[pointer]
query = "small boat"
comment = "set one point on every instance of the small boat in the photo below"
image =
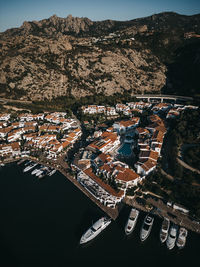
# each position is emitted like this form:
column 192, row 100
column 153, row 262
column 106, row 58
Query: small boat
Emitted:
column 35, row 171
column 95, row 229
column 44, row 172
column 164, row 230
column 146, row 227
column 132, row 220
column 181, row 240
column 39, row 173
column 52, row 172
column 30, row 167
column 20, row 162
column 171, row 239
column 28, row 162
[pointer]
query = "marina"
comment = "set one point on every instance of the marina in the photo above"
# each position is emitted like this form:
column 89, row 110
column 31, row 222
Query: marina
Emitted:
column 38, row 170
column 60, row 238
column 169, row 234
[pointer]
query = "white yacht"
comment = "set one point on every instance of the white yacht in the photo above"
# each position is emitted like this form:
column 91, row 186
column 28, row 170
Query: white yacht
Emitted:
column 181, row 240
column 146, row 227
column 164, row 230
column 95, row 229
column 39, row 173
column 35, row 171
column 171, row 239
column 132, row 219
column 44, row 172
column 30, row 167
column 52, row 172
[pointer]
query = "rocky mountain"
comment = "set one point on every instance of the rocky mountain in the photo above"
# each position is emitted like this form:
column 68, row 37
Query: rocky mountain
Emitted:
column 76, row 56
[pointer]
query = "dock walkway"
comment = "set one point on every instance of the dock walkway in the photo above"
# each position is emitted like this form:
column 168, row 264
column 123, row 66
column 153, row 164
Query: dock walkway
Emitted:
column 162, row 210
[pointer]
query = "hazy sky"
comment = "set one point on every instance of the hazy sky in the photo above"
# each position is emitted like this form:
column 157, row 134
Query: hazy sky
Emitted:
column 14, row 12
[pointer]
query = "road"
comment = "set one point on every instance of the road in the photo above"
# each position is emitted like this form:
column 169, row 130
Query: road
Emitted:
column 175, row 97
column 7, row 100
column 185, row 165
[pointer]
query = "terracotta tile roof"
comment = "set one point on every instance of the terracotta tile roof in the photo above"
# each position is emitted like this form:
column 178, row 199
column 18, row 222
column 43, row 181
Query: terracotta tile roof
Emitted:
column 65, row 144
column 30, row 135
column 153, row 155
column 157, row 137
column 105, row 157
column 77, row 130
column 72, row 135
column 155, row 118
column 127, row 175
column 127, row 123
column 6, row 130
column 142, row 130
column 149, row 164
column 29, row 123
column 15, row 146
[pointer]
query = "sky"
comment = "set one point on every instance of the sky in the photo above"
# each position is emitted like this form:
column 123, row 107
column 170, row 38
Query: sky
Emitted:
column 14, row 12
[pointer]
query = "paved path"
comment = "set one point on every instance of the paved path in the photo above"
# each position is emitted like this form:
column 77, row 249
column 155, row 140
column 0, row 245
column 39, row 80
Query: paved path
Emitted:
column 8, row 100
column 185, row 165
column 171, row 178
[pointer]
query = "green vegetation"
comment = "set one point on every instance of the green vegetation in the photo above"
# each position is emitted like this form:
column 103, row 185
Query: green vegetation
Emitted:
column 185, row 188
column 183, row 130
column 192, row 156
column 184, row 191
column 70, row 104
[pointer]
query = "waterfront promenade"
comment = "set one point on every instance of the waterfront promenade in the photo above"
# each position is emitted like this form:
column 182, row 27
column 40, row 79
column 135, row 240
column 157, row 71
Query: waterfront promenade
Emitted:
column 162, row 210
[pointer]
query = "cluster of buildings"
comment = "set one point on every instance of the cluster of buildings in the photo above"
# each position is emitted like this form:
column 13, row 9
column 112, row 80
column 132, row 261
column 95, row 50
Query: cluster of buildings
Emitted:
column 99, row 168
column 150, row 142
column 49, row 133
column 127, row 109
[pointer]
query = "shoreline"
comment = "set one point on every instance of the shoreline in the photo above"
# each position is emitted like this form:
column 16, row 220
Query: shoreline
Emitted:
column 112, row 213
column 161, row 209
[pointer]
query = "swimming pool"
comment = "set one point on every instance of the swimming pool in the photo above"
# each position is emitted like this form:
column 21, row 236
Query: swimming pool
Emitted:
column 125, row 150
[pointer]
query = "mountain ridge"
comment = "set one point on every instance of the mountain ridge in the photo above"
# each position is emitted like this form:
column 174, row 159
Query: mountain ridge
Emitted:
column 76, row 56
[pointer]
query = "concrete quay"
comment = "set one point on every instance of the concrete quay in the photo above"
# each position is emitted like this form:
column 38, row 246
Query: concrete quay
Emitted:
column 162, row 210
column 111, row 212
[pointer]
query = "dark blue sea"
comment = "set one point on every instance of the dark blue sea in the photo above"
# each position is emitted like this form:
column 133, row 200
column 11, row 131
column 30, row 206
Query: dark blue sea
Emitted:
column 41, row 222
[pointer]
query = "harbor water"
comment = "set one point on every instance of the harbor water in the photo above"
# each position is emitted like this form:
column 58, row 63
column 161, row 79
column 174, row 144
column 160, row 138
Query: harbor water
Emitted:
column 42, row 221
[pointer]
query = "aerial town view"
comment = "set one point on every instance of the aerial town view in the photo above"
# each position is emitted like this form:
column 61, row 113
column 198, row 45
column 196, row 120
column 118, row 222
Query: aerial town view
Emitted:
column 100, row 137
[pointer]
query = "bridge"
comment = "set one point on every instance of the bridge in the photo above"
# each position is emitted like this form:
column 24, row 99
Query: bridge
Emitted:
column 164, row 97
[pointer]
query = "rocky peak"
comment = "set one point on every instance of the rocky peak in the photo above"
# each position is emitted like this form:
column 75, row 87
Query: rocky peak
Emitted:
column 56, row 56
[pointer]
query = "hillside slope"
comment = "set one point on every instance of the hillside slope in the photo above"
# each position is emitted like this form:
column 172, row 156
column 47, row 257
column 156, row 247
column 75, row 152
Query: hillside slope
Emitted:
column 76, row 56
